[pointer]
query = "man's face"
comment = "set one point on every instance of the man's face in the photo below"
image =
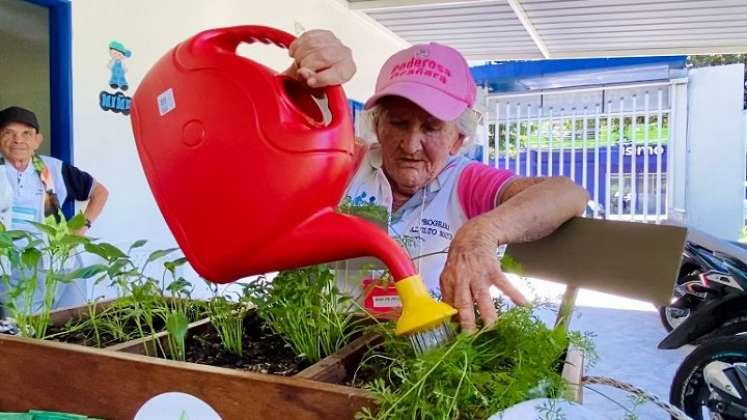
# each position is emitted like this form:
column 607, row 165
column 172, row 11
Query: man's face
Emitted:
column 415, row 144
column 19, row 141
column 116, row 54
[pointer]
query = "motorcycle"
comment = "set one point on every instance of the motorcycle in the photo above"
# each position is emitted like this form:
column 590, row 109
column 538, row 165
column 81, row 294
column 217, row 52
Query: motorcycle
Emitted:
column 710, row 310
column 705, row 257
column 711, row 383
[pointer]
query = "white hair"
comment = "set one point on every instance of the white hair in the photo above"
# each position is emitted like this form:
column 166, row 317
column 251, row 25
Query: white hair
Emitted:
column 466, row 125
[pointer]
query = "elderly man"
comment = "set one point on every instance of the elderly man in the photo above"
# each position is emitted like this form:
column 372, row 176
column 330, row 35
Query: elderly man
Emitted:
column 422, row 115
column 36, row 186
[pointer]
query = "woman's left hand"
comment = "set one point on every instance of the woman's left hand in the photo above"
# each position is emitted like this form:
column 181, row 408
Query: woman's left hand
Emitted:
column 471, row 268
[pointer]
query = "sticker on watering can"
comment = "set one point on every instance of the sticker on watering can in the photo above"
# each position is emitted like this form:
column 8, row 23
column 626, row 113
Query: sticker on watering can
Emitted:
column 380, row 298
column 117, row 101
column 166, row 102
column 176, row 406
column 386, row 302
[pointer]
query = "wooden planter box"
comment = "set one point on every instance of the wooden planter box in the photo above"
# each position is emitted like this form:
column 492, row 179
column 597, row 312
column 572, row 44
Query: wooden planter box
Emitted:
column 114, row 383
column 332, row 369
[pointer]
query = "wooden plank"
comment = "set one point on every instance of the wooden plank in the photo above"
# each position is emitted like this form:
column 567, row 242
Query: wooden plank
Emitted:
column 114, row 385
column 138, row 346
column 60, row 316
column 573, row 371
column 336, row 367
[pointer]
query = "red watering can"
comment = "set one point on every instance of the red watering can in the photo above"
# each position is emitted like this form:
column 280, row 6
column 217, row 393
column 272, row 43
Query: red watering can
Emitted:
column 243, row 165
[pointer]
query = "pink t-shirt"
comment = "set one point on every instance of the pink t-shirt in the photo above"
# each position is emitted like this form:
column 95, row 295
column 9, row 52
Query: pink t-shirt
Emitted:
column 480, row 187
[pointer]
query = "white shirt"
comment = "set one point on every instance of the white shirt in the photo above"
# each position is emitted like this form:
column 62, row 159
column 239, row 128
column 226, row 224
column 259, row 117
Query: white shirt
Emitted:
column 26, row 199
column 427, row 222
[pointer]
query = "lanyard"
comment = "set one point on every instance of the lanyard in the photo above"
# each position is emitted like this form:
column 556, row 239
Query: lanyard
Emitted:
column 51, row 202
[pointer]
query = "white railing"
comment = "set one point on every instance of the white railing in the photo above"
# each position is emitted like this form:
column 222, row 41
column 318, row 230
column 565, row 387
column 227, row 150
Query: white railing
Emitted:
column 612, row 140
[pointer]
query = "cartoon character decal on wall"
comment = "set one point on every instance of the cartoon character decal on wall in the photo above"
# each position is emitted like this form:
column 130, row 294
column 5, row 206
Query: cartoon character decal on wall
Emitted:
column 116, row 101
column 117, row 65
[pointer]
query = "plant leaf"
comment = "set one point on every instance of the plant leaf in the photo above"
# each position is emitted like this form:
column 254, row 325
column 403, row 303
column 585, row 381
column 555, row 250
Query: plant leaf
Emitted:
column 85, row 272
column 77, row 222
column 160, row 254
column 73, row 240
column 6, row 241
column 176, row 324
column 30, row 257
column 137, row 244
column 105, row 250
column 49, row 230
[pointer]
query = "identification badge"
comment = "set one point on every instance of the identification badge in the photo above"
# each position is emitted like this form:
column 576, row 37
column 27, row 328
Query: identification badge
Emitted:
column 21, row 216
column 381, row 298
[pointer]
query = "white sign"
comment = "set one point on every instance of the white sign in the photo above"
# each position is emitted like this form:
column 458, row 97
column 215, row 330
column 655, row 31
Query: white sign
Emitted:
column 176, row 406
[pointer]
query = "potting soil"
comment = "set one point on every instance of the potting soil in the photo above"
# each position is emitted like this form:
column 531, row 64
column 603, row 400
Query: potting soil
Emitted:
column 264, row 351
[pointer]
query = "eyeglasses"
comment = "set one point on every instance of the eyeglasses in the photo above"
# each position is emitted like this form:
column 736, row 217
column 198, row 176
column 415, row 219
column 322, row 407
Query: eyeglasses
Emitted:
column 26, row 135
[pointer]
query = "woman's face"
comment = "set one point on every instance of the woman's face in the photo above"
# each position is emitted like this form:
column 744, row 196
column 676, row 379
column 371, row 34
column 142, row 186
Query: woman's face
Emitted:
column 415, row 144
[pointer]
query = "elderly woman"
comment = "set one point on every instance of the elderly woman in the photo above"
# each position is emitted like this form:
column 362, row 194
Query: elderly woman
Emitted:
column 422, row 116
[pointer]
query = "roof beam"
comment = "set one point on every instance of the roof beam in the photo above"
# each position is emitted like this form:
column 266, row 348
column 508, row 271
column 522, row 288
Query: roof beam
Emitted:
column 521, row 14
column 372, row 5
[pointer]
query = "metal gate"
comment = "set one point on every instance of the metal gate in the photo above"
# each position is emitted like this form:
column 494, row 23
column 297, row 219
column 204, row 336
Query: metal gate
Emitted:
column 612, row 140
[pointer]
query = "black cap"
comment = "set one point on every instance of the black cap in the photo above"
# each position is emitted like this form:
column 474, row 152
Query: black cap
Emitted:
column 18, row 115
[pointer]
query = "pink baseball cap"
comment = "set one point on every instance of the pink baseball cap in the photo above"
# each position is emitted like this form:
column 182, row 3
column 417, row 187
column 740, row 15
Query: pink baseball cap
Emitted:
column 433, row 76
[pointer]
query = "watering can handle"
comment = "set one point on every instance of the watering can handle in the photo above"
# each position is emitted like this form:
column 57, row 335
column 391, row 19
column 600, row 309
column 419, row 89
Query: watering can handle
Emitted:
column 228, row 39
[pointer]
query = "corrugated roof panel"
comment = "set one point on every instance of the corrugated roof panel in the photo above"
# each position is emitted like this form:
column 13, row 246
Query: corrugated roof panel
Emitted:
column 479, row 9
column 643, row 38
column 574, row 8
column 568, row 28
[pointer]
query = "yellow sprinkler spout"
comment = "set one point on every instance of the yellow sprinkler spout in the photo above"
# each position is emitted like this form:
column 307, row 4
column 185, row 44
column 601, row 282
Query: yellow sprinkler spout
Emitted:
column 421, row 313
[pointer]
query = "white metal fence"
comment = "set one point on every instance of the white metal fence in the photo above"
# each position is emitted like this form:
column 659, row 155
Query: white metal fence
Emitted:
column 612, row 140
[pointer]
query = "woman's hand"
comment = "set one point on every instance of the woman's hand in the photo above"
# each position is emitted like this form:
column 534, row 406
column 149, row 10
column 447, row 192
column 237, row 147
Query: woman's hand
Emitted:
column 320, row 59
column 471, row 268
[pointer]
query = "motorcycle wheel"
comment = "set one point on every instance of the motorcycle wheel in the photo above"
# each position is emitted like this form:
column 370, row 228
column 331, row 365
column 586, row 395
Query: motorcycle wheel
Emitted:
column 668, row 315
column 689, row 391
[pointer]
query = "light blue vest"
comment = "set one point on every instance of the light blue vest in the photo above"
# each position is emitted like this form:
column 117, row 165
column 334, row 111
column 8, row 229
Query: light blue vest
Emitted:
column 428, row 220
column 22, row 193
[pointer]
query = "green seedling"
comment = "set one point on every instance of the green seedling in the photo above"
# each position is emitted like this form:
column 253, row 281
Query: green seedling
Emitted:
column 305, row 307
column 142, row 301
column 228, row 319
column 30, row 262
column 474, row 376
column 176, row 308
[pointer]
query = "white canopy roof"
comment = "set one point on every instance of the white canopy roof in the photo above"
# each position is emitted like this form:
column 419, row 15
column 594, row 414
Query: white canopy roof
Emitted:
column 526, row 29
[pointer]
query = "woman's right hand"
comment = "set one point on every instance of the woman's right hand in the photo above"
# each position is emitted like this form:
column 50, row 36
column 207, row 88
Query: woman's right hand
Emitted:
column 320, row 59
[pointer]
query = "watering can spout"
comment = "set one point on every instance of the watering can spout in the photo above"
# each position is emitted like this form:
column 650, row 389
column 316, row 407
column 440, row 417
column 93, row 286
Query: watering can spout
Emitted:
column 331, row 236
